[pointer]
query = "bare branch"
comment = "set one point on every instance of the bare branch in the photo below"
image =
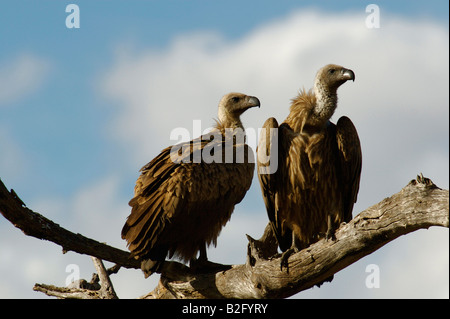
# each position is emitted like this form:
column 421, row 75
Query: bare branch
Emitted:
column 82, row 289
column 420, row 204
column 107, row 289
column 36, row 225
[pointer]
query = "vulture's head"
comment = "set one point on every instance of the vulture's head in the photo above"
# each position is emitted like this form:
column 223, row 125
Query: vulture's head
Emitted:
column 328, row 80
column 232, row 105
column 332, row 76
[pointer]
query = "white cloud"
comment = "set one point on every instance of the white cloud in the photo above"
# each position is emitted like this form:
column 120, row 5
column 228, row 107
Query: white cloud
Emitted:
column 429, row 271
column 96, row 210
column 21, row 76
column 157, row 91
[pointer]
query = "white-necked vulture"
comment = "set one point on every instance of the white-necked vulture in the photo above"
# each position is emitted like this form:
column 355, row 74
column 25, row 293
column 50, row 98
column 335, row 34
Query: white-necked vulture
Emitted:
column 186, row 194
column 315, row 182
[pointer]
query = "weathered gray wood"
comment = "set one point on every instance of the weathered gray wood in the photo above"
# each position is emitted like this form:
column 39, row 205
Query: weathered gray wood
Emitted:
column 82, row 289
column 420, row 204
column 36, row 225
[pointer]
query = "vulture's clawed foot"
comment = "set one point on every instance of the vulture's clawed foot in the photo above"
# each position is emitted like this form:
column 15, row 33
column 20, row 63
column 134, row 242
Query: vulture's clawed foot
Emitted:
column 205, row 266
column 285, row 258
column 330, row 229
column 330, row 234
column 149, row 267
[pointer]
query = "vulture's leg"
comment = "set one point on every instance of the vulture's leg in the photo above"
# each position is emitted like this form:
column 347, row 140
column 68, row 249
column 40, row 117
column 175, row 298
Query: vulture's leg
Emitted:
column 149, row 266
column 285, row 255
column 330, row 229
column 202, row 264
column 203, row 257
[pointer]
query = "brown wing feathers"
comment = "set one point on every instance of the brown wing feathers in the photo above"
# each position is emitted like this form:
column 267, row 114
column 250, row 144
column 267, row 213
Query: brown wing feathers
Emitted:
column 350, row 162
column 181, row 203
column 317, row 180
column 157, row 199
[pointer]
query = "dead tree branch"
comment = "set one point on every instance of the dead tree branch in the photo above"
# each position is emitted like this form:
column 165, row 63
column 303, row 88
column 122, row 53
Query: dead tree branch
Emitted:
column 420, row 204
column 82, row 289
column 36, row 225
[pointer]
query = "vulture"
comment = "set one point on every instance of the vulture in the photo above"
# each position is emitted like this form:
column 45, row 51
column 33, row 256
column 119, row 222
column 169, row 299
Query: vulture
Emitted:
column 186, row 194
column 308, row 167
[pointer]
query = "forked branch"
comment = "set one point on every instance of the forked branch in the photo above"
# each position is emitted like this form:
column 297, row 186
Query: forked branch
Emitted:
column 420, row 204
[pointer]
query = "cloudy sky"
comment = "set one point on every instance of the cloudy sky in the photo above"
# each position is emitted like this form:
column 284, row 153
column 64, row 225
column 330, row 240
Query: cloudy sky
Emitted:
column 82, row 109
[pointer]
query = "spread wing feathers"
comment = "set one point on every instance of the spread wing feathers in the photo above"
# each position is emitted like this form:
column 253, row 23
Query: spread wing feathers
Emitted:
column 176, row 195
column 350, row 161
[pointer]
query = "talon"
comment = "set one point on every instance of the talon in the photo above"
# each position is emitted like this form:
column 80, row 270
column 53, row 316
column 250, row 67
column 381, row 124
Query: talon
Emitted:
column 329, row 235
column 330, row 230
column 149, row 267
column 285, row 258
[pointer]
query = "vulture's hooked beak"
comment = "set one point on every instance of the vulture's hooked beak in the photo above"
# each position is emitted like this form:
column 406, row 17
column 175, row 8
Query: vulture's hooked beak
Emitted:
column 253, row 101
column 348, row 74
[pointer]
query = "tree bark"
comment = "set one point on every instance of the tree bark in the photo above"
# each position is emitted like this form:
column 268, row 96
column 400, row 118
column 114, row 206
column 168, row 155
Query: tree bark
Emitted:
column 420, row 204
column 82, row 289
column 36, row 225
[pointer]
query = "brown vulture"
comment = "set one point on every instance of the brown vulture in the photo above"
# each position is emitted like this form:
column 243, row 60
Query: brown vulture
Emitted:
column 315, row 166
column 187, row 193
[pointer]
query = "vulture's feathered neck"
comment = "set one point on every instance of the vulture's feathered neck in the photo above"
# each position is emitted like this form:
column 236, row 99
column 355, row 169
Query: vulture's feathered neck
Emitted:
column 226, row 120
column 326, row 100
column 234, row 127
column 231, row 129
column 312, row 109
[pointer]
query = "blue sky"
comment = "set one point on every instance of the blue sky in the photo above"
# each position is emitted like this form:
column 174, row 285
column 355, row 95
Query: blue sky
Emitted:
column 76, row 125
column 63, row 116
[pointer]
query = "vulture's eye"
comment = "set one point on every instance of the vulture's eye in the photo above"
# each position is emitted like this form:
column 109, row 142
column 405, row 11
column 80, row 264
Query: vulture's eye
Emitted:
column 331, row 71
column 235, row 99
